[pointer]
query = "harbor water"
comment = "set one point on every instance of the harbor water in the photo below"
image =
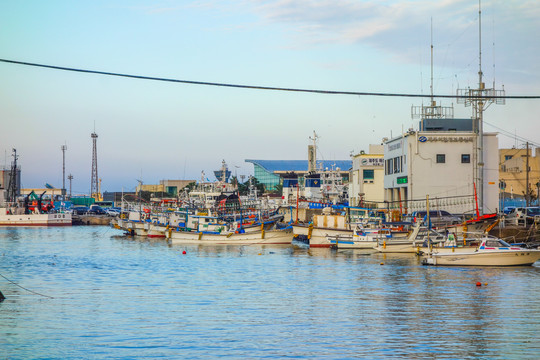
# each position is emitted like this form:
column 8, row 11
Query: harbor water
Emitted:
column 93, row 293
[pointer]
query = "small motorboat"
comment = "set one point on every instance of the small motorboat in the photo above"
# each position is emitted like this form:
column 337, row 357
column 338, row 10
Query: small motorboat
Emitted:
column 492, row 251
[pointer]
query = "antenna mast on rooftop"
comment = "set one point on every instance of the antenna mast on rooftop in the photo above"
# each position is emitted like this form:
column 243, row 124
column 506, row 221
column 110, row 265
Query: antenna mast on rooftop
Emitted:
column 480, row 99
column 431, row 111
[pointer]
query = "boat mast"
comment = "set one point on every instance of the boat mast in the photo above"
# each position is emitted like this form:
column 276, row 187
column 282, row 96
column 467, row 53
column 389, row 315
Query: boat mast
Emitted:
column 12, row 186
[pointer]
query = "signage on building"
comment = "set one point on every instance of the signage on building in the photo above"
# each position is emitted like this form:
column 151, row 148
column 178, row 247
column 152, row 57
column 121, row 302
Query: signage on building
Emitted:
column 445, row 139
column 395, row 146
column 402, row 180
column 372, row 162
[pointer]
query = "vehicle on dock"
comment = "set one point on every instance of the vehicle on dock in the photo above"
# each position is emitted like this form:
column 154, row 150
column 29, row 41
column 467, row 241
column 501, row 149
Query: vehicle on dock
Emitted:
column 524, row 215
column 80, row 210
column 96, row 210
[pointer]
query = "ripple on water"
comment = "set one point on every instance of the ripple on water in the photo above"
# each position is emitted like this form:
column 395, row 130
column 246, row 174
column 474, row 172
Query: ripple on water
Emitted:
column 121, row 297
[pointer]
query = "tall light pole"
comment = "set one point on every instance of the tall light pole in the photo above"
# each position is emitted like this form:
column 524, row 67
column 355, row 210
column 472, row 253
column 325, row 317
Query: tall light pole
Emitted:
column 94, row 189
column 70, row 177
column 64, row 148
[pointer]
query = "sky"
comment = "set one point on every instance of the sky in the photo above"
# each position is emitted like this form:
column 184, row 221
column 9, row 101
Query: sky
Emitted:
column 152, row 130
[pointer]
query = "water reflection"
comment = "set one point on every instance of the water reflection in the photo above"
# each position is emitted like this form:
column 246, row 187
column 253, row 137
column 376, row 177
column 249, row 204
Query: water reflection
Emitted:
column 129, row 297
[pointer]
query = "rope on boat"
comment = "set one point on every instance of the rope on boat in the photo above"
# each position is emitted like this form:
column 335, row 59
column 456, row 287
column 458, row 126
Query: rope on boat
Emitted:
column 30, row 291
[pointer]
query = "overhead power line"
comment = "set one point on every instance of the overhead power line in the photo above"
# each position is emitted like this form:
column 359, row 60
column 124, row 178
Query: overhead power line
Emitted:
column 256, row 87
column 513, row 136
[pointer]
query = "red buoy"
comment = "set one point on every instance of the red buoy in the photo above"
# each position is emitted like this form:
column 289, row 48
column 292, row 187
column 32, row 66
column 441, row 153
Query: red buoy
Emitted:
column 184, row 252
column 479, row 284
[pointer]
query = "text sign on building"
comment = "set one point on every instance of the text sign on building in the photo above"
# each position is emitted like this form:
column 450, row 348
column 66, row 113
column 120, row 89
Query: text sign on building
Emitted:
column 372, row 162
column 402, row 180
column 445, row 139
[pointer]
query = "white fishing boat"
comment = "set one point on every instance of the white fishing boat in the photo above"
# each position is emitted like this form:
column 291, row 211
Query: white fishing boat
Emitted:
column 407, row 244
column 9, row 218
column 491, row 252
column 360, row 239
column 274, row 236
column 318, row 236
column 321, row 227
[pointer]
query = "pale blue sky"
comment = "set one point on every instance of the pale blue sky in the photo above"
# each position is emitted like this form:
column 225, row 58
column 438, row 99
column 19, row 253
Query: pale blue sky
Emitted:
column 163, row 130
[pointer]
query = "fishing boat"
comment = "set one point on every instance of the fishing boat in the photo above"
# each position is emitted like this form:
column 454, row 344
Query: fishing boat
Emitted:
column 317, row 236
column 8, row 218
column 31, row 210
column 360, row 239
column 410, row 243
column 231, row 237
column 492, row 251
column 327, row 225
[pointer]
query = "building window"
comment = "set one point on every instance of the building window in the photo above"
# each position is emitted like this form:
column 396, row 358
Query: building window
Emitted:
column 507, row 157
column 388, row 169
column 441, row 158
column 368, row 174
column 465, row 158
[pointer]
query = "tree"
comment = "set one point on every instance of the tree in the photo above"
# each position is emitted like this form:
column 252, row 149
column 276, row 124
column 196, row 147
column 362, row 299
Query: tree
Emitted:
column 278, row 189
column 189, row 187
column 243, row 189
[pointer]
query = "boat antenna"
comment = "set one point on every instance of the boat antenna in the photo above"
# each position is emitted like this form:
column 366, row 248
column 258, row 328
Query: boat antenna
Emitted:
column 13, row 189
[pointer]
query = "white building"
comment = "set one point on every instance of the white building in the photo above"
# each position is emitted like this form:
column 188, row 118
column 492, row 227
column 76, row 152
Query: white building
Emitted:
column 441, row 164
column 366, row 180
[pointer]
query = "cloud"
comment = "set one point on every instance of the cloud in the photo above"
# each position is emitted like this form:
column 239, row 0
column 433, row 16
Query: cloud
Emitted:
column 402, row 30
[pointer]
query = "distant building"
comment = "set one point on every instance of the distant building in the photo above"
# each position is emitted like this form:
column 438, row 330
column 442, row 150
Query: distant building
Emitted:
column 268, row 172
column 223, row 174
column 153, row 188
column 366, row 181
column 116, row 197
column 172, row 187
column 513, row 174
column 5, row 175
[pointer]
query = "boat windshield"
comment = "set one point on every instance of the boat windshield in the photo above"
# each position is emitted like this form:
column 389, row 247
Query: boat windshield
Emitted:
column 503, row 243
column 492, row 243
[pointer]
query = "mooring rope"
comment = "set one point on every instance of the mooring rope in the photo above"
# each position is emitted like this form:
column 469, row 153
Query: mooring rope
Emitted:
column 22, row 287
